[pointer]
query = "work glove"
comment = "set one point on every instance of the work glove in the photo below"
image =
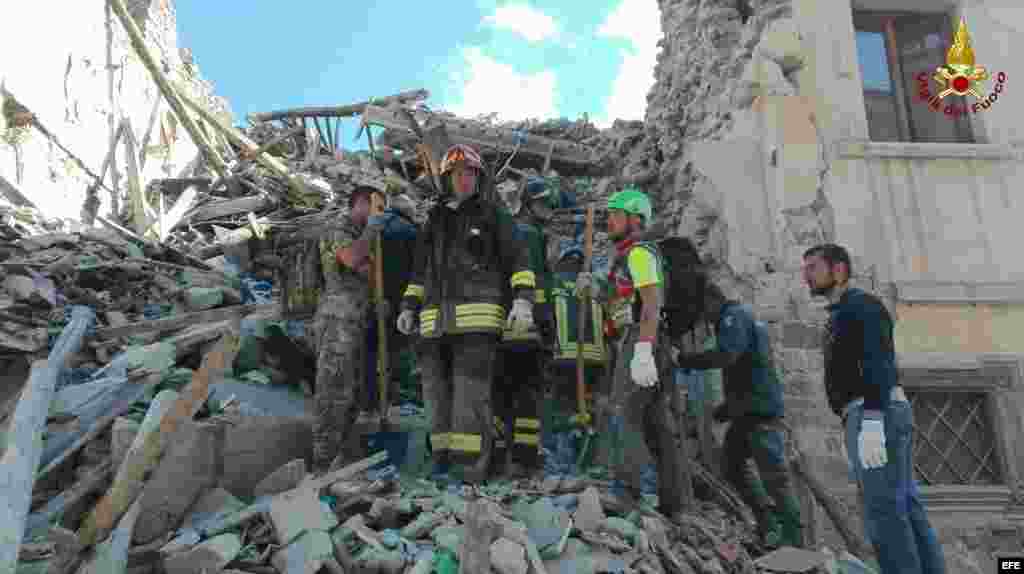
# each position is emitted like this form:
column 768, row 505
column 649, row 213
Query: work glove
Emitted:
column 585, row 285
column 642, row 367
column 721, row 413
column 407, row 322
column 520, row 318
column 871, row 443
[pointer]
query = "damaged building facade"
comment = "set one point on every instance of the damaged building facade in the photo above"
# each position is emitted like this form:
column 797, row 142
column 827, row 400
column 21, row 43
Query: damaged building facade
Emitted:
column 83, row 87
column 776, row 125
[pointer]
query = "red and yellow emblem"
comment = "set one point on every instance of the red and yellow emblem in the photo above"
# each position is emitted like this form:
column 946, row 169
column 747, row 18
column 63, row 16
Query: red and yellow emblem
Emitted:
column 960, row 75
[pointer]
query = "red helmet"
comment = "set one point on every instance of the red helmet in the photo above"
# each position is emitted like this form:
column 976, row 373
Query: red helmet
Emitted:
column 460, row 153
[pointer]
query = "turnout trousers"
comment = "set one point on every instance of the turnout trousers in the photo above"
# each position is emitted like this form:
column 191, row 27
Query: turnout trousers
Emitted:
column 338, row 336
column 518, row 386
column 644, row 427
column 457, row 374
column 762, row 440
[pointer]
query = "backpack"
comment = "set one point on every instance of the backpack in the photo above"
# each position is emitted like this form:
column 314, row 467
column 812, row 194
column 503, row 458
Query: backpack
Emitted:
column 684, row 283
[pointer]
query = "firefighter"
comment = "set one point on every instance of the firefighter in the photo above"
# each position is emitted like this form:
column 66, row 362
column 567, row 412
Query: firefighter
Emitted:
column 523, row 356
column 466, row 263
column 641, row 386
column 339, row 328
column 563, row 407
column 754, row 408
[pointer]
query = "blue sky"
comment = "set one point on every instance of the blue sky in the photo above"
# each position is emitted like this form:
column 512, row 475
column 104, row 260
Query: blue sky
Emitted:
column 522, row 59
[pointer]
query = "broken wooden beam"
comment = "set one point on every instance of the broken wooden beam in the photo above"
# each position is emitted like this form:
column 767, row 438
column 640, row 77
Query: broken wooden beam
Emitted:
column 14, row 194
column 138, row 42
column 855, row 543
column 340, row 111
column 239, row 139
column 228, row 207
column 25, row 444
column 70, row 505
column 130, row 476
column 186, row 320
column 565, row 155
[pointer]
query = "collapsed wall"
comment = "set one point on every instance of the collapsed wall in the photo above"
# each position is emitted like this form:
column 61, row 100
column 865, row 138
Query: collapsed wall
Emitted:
column 80, row 83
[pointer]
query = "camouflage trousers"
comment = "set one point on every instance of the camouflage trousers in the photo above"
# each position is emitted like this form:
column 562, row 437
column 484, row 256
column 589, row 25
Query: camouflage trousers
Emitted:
column 338, row 332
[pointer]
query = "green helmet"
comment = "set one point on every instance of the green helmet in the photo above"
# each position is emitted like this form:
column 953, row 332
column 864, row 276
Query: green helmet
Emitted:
column 632, row 201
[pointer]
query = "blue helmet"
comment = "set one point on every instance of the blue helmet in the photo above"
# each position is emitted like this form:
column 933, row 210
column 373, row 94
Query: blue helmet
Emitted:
column 572, row 250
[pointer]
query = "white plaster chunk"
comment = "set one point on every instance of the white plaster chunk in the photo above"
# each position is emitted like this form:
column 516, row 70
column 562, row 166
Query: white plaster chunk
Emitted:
column 508, row 557
column 780, row 43
column 761, row 77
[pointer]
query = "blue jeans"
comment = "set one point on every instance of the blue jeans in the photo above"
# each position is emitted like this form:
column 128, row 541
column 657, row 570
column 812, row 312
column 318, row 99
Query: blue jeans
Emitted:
column 895, row 519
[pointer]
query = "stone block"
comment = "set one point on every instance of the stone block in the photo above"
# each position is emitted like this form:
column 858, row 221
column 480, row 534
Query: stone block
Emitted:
column 589, row 513
column 285, row 478
column 188, row 467
column 308, row 553
column 256, row 446
column 761, row 77
column 508, row 557
column 780, row 43
column 210, row 556
column 801, row 335
column 298, row 511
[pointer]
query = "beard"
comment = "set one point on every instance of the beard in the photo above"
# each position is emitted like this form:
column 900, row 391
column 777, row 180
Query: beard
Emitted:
column 825, row 290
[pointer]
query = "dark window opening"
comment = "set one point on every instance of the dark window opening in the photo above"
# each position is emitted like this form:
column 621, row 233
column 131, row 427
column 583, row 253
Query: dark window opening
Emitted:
column 954, row 440
column 892, row 51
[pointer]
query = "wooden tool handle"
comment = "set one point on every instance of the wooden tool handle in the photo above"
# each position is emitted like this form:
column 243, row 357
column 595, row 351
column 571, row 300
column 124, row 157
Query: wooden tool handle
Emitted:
column 581, row 315
column 383, row 374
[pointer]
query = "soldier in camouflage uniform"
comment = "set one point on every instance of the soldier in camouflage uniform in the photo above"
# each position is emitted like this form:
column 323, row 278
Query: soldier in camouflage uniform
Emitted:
column 339, row 328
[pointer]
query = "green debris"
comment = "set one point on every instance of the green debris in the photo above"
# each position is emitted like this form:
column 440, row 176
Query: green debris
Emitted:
column 622, row 528
column 200, row 298
column 257, row 377
column 445, row 562
column 449, row 537
column 156, row 358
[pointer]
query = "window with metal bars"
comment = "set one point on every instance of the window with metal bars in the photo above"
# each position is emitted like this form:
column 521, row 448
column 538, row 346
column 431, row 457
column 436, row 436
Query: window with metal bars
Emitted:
column 954, row 439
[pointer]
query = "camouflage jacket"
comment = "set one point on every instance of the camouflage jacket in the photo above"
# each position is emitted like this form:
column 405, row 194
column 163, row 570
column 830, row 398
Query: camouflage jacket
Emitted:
column 339, row 279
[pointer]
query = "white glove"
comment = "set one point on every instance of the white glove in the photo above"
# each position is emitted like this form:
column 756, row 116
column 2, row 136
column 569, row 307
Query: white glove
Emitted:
column 406, row 322
column 642, row 367
column 585, row 284
column 520, row 318
column 871, row 443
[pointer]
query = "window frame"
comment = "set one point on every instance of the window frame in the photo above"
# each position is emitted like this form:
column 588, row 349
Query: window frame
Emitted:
column 880, row 22
column 1000, row 378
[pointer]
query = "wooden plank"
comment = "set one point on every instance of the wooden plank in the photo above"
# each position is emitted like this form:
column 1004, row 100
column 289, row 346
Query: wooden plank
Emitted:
column 14, row 194
column 339, row 111
column 562, row 152
column 25, row 439
column 138, row 42
column 228, row 207
column 187, row 319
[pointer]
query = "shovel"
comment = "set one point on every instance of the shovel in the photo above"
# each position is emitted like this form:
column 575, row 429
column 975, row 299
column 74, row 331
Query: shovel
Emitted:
column 396, row 443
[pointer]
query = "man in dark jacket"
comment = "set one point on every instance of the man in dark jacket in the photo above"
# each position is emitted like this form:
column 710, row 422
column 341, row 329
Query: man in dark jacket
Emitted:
column 467, row 260
column 753, row 405
column 861, row 380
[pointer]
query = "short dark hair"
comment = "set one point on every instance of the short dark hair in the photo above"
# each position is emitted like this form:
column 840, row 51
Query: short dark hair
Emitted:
column 832, row 254
column 360, row 191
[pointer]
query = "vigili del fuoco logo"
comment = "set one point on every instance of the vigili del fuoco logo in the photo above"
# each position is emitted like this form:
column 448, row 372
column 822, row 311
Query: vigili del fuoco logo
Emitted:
column 960, row 77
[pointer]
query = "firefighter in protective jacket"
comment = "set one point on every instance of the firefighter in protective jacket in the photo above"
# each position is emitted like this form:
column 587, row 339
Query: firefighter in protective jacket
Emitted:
column 523, row 355
column 467, row 261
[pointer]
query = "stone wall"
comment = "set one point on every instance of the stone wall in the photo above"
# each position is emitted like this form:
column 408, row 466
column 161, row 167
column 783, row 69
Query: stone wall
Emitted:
column 744, row 166
column 81, row 79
